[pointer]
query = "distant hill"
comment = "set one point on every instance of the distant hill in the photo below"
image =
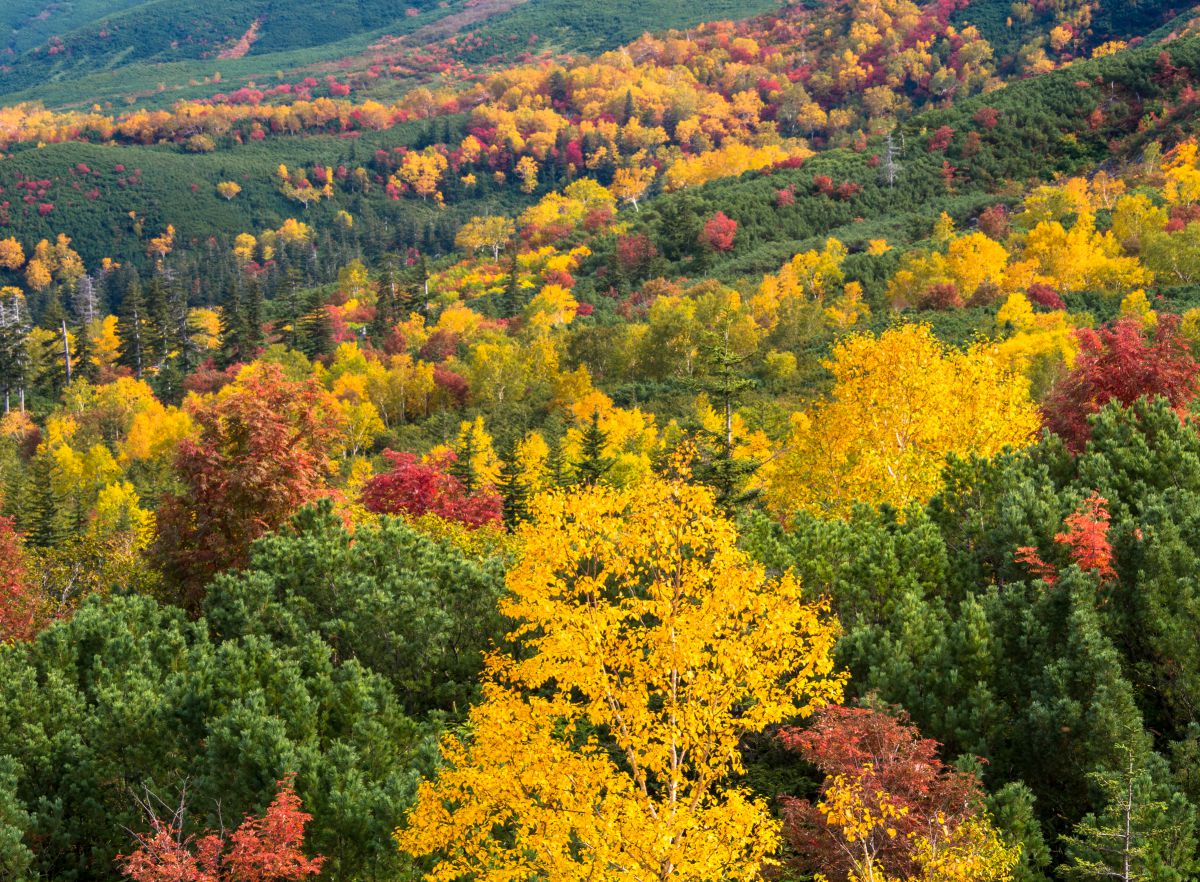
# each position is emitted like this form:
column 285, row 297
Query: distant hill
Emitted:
column 146, row 50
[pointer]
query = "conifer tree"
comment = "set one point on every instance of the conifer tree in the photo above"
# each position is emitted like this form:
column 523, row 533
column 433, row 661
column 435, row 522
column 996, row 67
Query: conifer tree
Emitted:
column 513, row 490
column 133, row 327
column 593, row 465
column 1145, row 830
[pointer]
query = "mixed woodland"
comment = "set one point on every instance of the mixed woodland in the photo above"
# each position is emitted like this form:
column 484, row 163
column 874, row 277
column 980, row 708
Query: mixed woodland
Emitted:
column 509, row 441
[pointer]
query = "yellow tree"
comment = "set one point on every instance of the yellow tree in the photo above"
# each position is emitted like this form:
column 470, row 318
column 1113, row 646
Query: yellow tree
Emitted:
column 652, row 646
column 423, row 171
column 492, row 232
column 901, row 402
column 229, row 189
column 630, row 184
column 527, row 171
column 12, row 255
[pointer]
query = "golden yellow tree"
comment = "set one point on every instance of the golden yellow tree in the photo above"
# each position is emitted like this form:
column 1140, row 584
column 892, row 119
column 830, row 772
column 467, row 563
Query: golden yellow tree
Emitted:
column 652, row 646
column 630, row 184
column 492, row 232
column 901, row 402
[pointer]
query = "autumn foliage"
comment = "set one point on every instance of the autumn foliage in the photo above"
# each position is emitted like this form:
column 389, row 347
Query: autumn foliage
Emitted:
column 262, row 849
column 640, row 617
column 1086, row 537
column 719, row 232
column 887, row 797
column 1122, row 363
column 19, row 604
column 263, row 450
column 416, row 488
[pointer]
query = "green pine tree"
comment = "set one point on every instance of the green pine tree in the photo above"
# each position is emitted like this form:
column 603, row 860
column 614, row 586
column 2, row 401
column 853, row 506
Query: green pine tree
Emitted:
column 513, row 490
column 593, row 465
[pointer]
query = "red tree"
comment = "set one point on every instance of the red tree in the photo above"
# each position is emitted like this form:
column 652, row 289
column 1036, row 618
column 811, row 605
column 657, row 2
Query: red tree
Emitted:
column 941, row 138
column 416, row 488
column 262, row 849
column 19, row 602
column 718, row 232
column 1045, row 296
column 1086, row 537
column 894, row 763
column 262, row 452
column 1121, row 363
column 635, row 253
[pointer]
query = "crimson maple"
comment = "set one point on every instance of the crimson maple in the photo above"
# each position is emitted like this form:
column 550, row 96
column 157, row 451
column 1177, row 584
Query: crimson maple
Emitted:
column 262, row 452
column 896, row 765
column 262, row 849
column 1122, row 363
column 416, row 488
column 719, row 232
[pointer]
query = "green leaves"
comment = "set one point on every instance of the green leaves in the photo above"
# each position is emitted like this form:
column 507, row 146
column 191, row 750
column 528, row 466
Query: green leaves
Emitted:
column 406, row 607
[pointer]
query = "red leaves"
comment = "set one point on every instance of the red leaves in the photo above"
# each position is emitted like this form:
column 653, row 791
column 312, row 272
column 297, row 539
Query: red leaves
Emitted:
column 941, row 296
column 265, row 849
column 941, row 139
column 1086, row 537
column 416, row 488
column 635, row 253
column 1044, row 296
column 19, row 602
column 719, row 232
column 1033, row 561
column 262, row 453
column 1086, row 540
column 1122, row 363
column 986, row 117
column 896, row 765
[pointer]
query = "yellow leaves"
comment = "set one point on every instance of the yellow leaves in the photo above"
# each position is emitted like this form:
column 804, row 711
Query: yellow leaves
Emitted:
column 244, row 246
column 423, row 171
column 1136, row 305
column 527, row 171
column 630, row 184
column 849, row 309
column 37, row 275
column 155, row 432
column 473, row 435
column 228, row 189
column 12, row 255
column 490, row 232
column 459, row 319
column 118, row 511
column 552, row 307
column 729, row 160
column 1082, row 259
column 556, row 211
column 106, row 345
column 293, row 232
column 640, row 616
column 974, row 260
column 160, row 246
column 901, row 403
column 972, row 851
column 844, row 806
column 969, row 851
column 205, row 328
column 1034, row 341
column 1182, row 178
column 810, row 275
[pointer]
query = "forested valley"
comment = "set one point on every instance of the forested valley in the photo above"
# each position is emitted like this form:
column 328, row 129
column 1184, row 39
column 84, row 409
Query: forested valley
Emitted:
column 523, row 440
